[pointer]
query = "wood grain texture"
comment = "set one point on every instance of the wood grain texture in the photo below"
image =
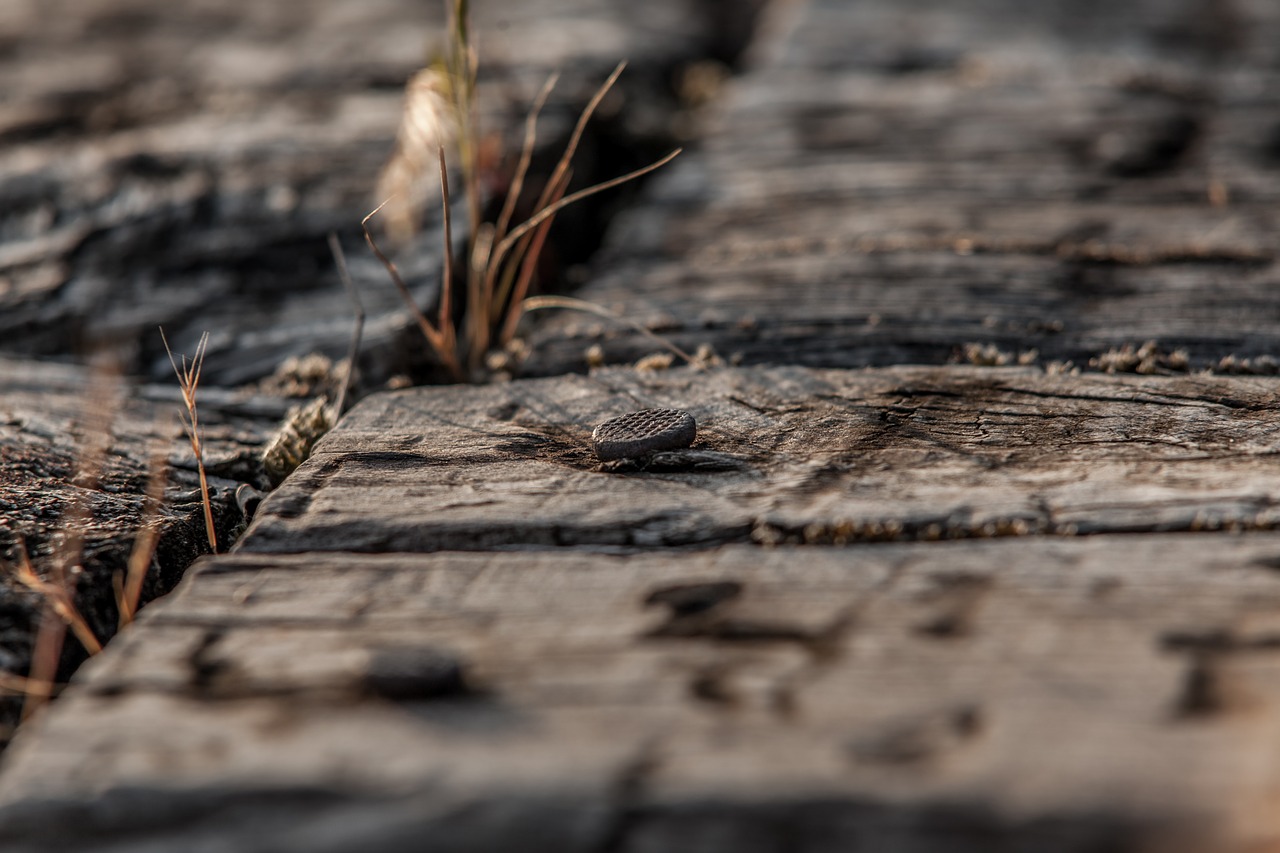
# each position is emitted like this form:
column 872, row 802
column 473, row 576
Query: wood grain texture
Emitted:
column 894, row 181
column 50, row 417
column 786, row 454
column 181, row 165
column 908, row 608
column 1059, row 694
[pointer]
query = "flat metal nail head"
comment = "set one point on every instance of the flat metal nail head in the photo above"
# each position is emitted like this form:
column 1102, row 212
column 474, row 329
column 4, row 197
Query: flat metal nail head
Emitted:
column 641, row 433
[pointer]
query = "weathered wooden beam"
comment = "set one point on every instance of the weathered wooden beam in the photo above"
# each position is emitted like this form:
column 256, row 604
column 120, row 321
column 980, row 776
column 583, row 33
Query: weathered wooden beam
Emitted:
column 892, row 183
column 52, row 491
column 1062, row 694
column 564, row 670
column 786, row 454
column 183, row 167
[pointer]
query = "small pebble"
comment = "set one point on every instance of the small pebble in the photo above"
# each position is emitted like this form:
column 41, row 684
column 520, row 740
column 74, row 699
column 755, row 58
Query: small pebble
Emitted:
column 642, row 433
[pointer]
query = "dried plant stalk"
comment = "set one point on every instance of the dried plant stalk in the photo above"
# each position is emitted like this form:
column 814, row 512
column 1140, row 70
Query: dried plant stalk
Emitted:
column 357, row 331
column 189, row 381
column 10, row 683
column 497, row 303
column 528, row 266
column 558, row 175
column 500, row 261
column 437, row 340
column 59, row 613
column 45, row 654
column 446, row 285
column 526, row 156
column 427, row 123
column 552, row 209
column 59, row 597
column 58, row 593
column 144, row 546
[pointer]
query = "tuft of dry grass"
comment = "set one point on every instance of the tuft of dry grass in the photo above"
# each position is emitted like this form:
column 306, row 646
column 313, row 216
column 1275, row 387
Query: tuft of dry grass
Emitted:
column 189, row 380
column 59, row 596
column 60, row 612
column 496, row 271
column 56, row 584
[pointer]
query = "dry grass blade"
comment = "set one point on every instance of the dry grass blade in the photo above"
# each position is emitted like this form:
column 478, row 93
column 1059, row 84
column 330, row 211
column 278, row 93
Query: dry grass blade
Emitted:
column 58, row 613
column 45, row 654
column 189, row 381
column 58, row 593
column 353, row 351
column 10, row 683
column 446, row 282
column 528, row 266
column 57, row 596
column 144, row 546
column 552, row 209
column 434, row 337
column 495, row 305
column 477, row 312
column 570, row 150
column 462, row 62
column 538, row 303
column 526, row 156
column 500, row 262
column 558, row 175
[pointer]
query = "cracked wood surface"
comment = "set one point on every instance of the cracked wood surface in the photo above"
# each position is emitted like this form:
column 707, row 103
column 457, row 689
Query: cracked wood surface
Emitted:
column 786, row 454
column 178, row 164
column 893, row 181
column 1060, row 694
column 50, row 417
column 566, row 670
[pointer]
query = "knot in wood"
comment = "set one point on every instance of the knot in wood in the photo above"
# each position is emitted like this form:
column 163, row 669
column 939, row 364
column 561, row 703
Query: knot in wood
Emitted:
column 642, row 433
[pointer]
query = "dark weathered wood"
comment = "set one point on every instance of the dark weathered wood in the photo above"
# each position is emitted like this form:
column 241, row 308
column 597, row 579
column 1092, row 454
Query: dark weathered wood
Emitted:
column 1050, row 694
column 181, row 166
column 895, row 181
column 48, row 416
column 786, row 454
column 566, row 671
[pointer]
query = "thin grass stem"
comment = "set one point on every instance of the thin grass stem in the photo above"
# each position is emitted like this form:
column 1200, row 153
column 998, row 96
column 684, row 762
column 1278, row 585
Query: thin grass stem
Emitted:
column 557, row 175
column 10, row 683
column 528, row 266
column 445, row 322
column 496, row 305
column 357, row 332
column 550, row 210
column 575, row 139
column 189, row 382
column 447, row 357
column 45, row 654
column 144, row 546
column 57, row 595
column 526, row 156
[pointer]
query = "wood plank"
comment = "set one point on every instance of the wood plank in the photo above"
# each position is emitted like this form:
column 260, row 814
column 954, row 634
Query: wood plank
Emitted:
column 786, row 454
column 893, row 182
column 183, row 166
column 564, row 670
column 50, row 415
column 1061, row 694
